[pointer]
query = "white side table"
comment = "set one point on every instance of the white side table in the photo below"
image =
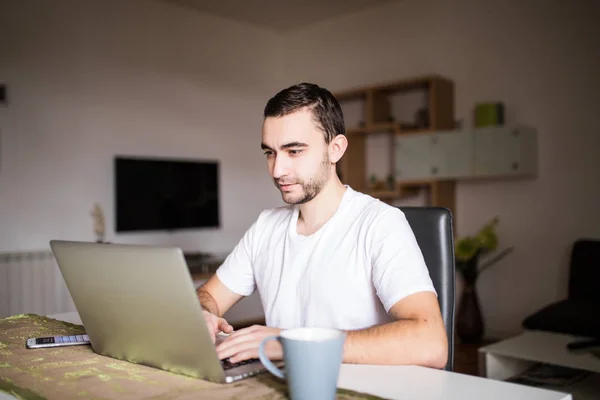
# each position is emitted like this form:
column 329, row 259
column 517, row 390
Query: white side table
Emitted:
column 513, row 356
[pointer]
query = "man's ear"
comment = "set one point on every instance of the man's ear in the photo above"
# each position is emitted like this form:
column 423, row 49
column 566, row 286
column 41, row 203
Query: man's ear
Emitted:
column 337, row 148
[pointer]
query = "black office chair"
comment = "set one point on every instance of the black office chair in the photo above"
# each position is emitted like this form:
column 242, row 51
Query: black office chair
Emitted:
column 432, row 227
column 576, row 315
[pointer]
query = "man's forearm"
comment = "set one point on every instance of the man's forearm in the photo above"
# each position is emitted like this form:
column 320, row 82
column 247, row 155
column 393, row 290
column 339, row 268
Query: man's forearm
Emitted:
column 407, row 341
column 207, row 302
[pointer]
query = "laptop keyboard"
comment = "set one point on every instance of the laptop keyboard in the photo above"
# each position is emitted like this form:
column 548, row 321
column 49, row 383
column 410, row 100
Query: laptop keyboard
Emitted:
column 228, row 365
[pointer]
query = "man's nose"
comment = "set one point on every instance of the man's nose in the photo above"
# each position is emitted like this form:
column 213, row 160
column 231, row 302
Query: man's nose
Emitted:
column 280, row 166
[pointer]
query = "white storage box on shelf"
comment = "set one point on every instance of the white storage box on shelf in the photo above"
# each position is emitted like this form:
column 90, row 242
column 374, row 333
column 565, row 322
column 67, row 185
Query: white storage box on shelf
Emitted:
column 491, row 152
column 505, row 152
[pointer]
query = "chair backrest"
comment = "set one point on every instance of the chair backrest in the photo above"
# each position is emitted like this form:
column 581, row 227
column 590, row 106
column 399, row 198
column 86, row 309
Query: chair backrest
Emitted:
column 584, row 279
column 432, row 227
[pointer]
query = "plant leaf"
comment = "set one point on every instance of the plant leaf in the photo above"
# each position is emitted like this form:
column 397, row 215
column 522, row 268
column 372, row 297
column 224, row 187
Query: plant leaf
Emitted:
column 496, row 258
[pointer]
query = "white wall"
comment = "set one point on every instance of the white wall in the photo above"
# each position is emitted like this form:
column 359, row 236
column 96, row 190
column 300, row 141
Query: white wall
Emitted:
column 90, row 79
column 541, row 59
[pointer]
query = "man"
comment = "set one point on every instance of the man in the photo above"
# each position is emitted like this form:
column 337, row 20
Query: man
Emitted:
column 333, row 257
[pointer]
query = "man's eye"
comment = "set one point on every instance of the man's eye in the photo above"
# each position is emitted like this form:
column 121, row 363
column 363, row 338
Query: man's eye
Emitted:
column 295, row 152
column 268, row 153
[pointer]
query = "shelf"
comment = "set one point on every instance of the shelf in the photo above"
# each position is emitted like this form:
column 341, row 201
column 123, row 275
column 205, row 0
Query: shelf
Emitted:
column 416, row 183
column 384, row 194
column 403, row 190
column 405, row 131
column 420, row 82
column 387, row 109
column 385, row 127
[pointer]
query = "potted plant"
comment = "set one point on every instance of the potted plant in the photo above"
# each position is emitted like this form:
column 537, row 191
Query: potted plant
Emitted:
column 473, row 255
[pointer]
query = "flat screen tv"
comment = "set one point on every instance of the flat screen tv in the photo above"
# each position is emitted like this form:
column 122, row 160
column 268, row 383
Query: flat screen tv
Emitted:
column 153, row 194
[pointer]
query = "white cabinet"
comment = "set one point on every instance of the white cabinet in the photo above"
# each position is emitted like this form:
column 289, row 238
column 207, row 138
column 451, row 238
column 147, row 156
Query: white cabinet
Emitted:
column 462, row 154
column 502, row 152
column 451, row 154
column 413, row 157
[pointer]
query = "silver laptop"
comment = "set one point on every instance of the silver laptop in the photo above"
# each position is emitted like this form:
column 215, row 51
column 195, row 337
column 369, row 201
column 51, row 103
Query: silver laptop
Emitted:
column 138, row 303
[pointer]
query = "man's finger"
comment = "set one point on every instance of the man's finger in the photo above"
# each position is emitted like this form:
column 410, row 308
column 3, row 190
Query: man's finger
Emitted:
column 249, row 350
column 235, row 350
column 233, row 345
column 232, row 341
column 244, row 355
column 213, row 336
column 243, row 331
column 224, row 326
column 211, row 328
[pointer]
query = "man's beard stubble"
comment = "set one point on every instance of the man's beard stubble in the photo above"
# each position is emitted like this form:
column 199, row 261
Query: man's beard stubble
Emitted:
column 311, row 188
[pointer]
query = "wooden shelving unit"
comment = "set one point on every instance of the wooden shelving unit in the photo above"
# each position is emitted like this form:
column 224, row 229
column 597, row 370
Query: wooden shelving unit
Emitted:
column 390, row 127
column 379, row 119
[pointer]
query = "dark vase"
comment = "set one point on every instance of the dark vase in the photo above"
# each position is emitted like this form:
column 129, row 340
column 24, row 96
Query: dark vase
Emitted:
column 469, row 322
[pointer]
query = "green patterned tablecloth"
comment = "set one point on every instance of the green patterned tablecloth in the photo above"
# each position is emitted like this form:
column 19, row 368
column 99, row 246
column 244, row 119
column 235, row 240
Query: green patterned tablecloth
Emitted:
column 78, row 372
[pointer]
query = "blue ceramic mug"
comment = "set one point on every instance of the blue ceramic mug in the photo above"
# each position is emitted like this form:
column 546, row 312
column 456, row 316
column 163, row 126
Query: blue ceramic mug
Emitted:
column 312, row 358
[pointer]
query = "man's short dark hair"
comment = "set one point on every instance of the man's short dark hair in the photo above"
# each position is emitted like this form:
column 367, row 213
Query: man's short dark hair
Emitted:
column 325, row 109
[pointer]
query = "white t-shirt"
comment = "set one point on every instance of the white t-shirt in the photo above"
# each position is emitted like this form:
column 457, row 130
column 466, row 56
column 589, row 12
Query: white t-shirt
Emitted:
column 347, row 275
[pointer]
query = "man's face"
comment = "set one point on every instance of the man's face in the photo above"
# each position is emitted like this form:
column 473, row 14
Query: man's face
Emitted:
column 297, row 155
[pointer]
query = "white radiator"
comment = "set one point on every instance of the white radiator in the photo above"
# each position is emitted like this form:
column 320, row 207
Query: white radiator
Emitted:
column 32, row 283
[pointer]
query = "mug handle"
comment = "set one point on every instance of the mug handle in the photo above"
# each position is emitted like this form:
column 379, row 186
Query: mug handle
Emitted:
column 265, row 360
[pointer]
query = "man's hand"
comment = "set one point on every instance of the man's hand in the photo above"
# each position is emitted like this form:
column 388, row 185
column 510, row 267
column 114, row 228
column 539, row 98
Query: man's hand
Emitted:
column 216, row 324
column 243, row 344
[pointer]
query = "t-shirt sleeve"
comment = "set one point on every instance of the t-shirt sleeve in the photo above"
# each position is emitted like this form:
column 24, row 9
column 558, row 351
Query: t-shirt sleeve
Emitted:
column 236, row 272
column 399, row 268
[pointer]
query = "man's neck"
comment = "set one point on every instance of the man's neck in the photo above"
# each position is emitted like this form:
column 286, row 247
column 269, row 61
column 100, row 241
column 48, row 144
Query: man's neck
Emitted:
column 314, row 214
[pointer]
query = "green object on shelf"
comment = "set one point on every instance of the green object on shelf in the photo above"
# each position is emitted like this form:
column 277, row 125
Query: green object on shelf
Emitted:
column 489, row 114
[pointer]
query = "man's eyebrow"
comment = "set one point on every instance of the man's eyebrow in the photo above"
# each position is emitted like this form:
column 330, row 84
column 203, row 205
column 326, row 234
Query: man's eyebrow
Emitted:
column 263, row 146
column 290, row 145
column 293, row 144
